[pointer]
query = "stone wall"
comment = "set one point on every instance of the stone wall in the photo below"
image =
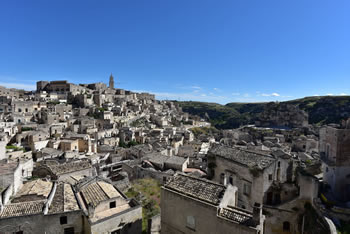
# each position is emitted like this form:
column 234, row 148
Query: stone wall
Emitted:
column 33, row 224
column 120, row 222
column 2, row 150
column 177, row 210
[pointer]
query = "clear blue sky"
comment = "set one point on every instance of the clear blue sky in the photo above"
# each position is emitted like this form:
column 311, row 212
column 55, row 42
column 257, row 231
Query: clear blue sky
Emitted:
column 219, row 51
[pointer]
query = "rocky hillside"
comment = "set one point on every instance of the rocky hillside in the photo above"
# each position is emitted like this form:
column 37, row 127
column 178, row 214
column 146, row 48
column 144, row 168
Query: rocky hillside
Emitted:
column 320, row 110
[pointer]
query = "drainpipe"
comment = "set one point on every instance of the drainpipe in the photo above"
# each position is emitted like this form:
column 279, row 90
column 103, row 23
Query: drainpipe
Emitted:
column 302, row 226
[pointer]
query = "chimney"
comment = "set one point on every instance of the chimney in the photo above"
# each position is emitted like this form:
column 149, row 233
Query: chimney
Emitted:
column 257, row 213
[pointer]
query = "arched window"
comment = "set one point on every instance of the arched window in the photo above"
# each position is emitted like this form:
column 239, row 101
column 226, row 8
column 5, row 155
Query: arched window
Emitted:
column 327, row 150
column 26, row 110
column 286, row 226
column 230, row 180
column 19, row 110
column 222, row 178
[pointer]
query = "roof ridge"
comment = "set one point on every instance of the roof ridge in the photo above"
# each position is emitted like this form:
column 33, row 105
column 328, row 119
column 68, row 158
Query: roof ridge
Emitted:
column 201, row 179
column 17, row 203
column 35, row 182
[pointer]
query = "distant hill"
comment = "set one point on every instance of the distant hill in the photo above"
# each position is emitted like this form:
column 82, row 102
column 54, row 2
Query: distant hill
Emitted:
column 321, row 110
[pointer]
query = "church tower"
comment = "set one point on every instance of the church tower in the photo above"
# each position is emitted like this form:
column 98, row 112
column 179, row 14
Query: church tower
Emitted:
column 111, row 82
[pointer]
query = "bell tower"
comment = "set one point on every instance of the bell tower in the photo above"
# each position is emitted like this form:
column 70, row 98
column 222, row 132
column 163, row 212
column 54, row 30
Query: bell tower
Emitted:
column 111, row 81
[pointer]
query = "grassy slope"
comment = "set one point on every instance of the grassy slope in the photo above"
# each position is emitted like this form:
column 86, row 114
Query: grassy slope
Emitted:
column 327, row 109
column 147, row 192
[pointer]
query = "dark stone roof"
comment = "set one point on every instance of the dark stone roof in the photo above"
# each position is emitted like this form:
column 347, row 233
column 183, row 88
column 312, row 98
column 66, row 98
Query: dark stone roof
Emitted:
column 237, row 216
column 245, row 157
column 69, row 167
column 201, row 189
column 63, row 200
column 57, row 204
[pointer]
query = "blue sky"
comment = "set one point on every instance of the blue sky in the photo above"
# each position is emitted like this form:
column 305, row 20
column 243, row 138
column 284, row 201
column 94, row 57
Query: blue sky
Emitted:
column 217, row 51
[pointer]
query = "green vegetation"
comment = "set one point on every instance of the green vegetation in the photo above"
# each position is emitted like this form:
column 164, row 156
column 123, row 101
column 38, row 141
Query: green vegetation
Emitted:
column 14, row 148
column 147, row 192
column 203, row 130
column 321, row 110
column 24, row 129
column 128, row 145
column 53, row 102
column 219, row 116
column 344, row 228
column 139, row 122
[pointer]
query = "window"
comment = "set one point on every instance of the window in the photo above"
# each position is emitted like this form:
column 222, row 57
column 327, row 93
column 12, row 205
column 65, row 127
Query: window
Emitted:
column 191, row 222
column 230, row 180
column 246, row 189
column 19, row 232
column 222, row 178
column 327, row 151
column 112, row 205
column 116, row 232
column 69, row 230
column 286, row 226
column 279, row 164
column 63, row 220
column 270, row 176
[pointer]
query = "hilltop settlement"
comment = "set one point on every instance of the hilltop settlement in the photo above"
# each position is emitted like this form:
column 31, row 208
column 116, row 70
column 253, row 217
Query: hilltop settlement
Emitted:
column 73, row 158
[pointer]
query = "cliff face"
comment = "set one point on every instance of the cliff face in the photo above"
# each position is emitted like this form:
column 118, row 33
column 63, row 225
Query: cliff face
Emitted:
column 294, row 113
column 282, row 115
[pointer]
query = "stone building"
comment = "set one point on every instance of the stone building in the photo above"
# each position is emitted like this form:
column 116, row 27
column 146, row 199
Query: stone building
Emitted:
column 334, row 148
column 106, row 209
column 27, row 106
column 69, row 145
column 10, row 175
column 42, row 207
column 61, row 87
column 2, row 150
column 193, row 205
column 254, row 173
column 90, row 206
column 64, row 171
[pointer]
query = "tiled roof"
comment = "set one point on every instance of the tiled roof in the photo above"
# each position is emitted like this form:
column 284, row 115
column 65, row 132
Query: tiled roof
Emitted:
column 57, row 204
column 201, row 189
column 22, row 209
column 237, row 216
column 8, row 168
column 246, row 157
column 99, row 191
column 37, row 187
column 69, row 167
column 64, row 200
